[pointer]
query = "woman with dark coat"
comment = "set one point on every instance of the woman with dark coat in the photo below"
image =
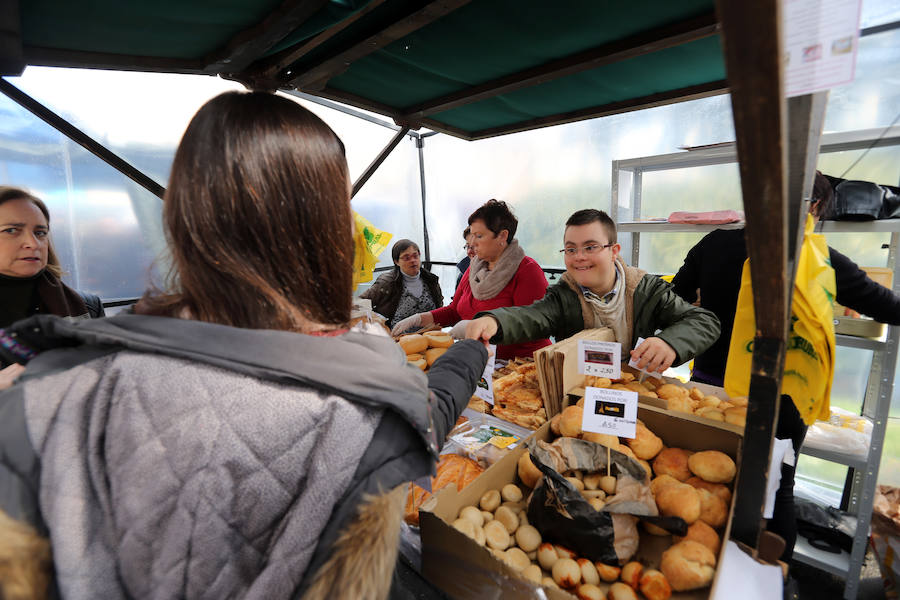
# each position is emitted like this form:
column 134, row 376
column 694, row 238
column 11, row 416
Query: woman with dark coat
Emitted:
column 407, row 289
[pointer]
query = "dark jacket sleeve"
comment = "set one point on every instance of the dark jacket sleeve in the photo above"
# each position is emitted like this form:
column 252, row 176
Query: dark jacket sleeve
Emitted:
column 94, row 305
column 687, row 280
column 688, row 329
column 451, row 381
column 857, row 291
column 556, row 314
column 379, row 293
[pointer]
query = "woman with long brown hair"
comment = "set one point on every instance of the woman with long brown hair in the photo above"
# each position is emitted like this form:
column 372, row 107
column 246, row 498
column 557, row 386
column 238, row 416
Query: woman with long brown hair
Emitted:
column 233, row 438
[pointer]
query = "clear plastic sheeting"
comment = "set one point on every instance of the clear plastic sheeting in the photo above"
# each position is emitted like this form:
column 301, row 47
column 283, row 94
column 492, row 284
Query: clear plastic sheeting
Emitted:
column 844, row 432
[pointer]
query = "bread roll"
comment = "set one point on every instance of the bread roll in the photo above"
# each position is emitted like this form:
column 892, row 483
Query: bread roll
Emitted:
column 626, row 377
column 564, row 552
column 438, row 339
column 719, row 489
column 680, row 404
column 713, row 510
column 465, row 527
column 655, row 586
column 496, row 535
column 589, row 591
column 473, row 514
column 713, row 466
column 570, row 422
column 533, row 574
column 566, row 573
column 711, row 413
column 710, row 401
column 420, row 362
column 508, row 518
column 528, row 538
column 621, row 591
column 547, row 556
column 490, row 500
column 645, row 444
column 740, row 401
column 588, row 571
column 516, row 559
column 674, row 462
column 432, row 354
column 604, row 439
column 413, row 343
column 679, row 500
column 696, row 394
column 688, row 565
column 528, row 473
column 704, row 534
column 667, row 391
column 661, row 481
column 554, row 424
column 736, row 415
column 631, row 573
column 511, row 493
column 607, row 573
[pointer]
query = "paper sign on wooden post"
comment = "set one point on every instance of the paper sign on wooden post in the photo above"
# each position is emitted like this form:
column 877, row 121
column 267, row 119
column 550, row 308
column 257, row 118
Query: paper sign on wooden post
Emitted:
column 485, row 387
column 613, row 412
column 602, row 359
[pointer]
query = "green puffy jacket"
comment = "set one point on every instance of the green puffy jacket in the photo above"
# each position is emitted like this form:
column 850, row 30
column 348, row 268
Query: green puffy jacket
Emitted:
column 651, row 305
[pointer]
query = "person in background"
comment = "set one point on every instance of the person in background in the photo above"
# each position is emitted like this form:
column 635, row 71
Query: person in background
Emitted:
column 713, row 268
column 232, row 438
column 499, row 275
column 463, row 265
column 407, row 289
column 30, row 272
column 599, row 290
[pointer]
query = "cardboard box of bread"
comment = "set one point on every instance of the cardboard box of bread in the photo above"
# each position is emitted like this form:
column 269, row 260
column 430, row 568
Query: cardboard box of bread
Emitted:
column 422, row 349
column 486, row 541
column 707, row 402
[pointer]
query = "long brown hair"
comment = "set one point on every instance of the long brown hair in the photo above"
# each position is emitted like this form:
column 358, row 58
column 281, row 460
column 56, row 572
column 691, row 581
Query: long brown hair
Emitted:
column 8, row 193
column 257, row 215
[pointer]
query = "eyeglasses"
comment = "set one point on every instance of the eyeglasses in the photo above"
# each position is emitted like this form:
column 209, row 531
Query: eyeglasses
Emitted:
column 468, row 247
column 591, row 249
column 408, row 257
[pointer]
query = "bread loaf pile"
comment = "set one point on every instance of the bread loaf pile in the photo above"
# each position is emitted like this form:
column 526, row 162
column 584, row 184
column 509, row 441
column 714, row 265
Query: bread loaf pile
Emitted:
column 423, row 349
column 691, row 485
column 679, row 398
column 517, row 395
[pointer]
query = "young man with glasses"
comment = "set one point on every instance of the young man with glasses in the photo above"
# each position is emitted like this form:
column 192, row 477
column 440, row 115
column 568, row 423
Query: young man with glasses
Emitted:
column 599, row 290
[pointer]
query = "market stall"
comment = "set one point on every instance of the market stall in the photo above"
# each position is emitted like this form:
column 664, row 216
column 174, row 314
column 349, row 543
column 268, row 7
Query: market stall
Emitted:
column 480, row 69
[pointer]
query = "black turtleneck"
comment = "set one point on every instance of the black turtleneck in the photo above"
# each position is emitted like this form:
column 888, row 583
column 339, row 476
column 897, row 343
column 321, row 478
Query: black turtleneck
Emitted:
column 18, row 298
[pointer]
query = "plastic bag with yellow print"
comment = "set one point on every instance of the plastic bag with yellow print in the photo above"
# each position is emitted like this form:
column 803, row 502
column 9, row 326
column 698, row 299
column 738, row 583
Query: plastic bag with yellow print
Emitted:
column 809, row 353
column 368, row 243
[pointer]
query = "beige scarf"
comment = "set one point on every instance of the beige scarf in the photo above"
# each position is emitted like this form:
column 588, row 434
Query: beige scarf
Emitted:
column 487, row 283
column 618, row 314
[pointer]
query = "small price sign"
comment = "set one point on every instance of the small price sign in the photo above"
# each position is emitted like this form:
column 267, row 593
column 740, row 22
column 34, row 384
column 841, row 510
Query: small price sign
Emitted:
column 610, row 411
column 634, row 363
column 603, row 359
column 485, row 387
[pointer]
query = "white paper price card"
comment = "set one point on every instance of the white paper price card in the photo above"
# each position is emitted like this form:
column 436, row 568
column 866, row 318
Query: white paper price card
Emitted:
column 602, row 359
column 485, row 387
column 610, row 411
column 634, row 363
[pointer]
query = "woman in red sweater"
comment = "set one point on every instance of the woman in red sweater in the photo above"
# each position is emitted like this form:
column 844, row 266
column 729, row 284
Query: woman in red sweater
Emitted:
column 500, row 275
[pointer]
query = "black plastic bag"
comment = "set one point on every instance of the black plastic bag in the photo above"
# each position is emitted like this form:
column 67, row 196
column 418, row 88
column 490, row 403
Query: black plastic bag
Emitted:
column 826, row 528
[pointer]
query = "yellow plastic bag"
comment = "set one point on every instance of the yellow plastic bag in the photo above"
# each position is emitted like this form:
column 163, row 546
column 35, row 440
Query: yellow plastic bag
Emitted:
column 809, row 357
column 369, row 242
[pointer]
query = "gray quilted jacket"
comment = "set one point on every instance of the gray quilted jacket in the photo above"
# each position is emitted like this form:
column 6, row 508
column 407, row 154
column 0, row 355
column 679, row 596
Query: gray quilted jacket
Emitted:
column 172, row 458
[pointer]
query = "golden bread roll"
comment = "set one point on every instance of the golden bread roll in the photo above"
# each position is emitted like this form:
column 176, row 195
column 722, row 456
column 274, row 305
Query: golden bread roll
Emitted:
column 668, row 391
column 688, row 565
column 740, row 401
column 712, row 413
column 674, row 462
column 724, row 405
column 619, row 386
column 621, row 591
column 660, row 481
column 589, row 591
column 528, row 538
column 414, row 356
column 679, row 500
column 631, row 573
column 712, row 401
column 547, row 555
column 554, row 424
column 696, row 394
column 597, row 382
column 528, row 473
column 588, row 571
column 452, row 468
column 712, row 466
column 625, row 377
column 496, row 535
column 566, row 573
column 713, row 510
column 570, row 422
column 627, row 451
column 645, row 444
column 533, row 574
column 719, row 489
column 700, row 532
column 604, row 439
column 680, row 404
column 635, row 386
column 736, row 415
column 438, row 339
column 420, row 362
column 646, row 467
column 413, row 343
column 432, row 354
column 516, row 559
column 607, row 573
column 655, row 586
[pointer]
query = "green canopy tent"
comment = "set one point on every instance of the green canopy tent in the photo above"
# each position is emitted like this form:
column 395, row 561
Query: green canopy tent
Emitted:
column 475, row 69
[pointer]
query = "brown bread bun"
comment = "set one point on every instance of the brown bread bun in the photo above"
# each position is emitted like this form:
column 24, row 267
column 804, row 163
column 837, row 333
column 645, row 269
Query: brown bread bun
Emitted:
column 674, row 462
column 688, row 565
column 712, row 466
column 704, row 534
column 413, row 343
column 438, row 339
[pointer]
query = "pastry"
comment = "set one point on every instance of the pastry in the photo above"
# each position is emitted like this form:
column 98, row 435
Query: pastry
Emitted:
column 688, row 565
column 679, row 500
column 712, row 466
column 674, row 462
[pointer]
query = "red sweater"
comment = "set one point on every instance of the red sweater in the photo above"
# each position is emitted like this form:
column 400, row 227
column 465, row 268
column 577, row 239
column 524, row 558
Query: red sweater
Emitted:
column 526, row 286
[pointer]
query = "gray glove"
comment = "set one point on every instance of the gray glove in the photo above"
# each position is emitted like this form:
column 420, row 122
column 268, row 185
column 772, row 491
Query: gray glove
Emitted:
column 413, row 322
column 459, row 330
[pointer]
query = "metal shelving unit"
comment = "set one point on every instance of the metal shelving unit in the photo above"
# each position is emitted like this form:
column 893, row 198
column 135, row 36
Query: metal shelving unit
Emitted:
column 863, row 473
